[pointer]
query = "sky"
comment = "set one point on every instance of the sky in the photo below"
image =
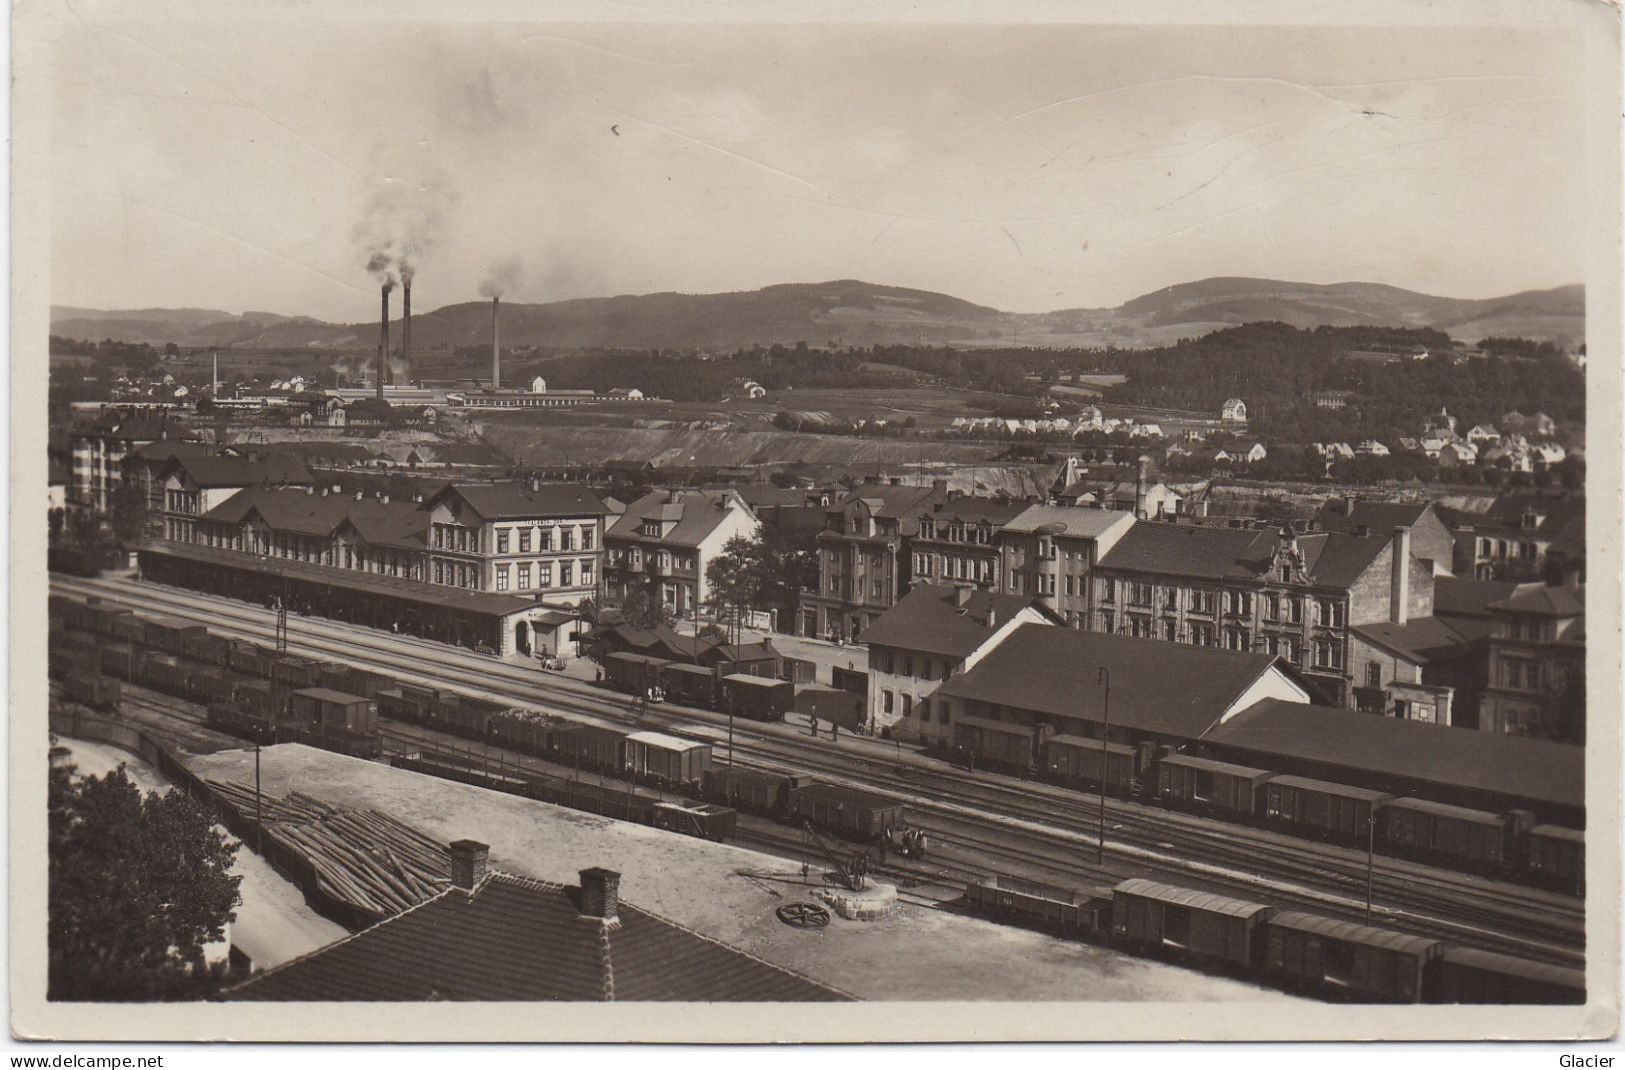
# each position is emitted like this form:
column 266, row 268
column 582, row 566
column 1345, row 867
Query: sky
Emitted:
column 1029, row 168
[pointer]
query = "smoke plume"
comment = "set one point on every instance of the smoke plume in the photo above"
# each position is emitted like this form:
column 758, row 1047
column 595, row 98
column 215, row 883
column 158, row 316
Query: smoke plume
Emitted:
column 503, row 277
column 404, row 220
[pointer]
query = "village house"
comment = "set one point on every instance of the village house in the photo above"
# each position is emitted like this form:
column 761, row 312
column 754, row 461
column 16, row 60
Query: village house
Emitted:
column 1233, row 411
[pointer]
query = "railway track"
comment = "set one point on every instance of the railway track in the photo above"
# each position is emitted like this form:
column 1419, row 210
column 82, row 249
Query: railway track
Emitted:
column 1235, row 859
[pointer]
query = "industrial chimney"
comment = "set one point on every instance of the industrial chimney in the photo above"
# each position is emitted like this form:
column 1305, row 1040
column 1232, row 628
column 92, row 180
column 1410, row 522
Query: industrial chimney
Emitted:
column 383, row 338
column 406, row 327
column 496, row 346
column 1400, row 594
column 1141, row 474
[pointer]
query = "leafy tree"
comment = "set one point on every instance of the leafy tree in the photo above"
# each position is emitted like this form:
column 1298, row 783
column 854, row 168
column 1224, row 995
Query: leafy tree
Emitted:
column 640, row 609
column 734, row 576
column 127, row 511
column 136, row 887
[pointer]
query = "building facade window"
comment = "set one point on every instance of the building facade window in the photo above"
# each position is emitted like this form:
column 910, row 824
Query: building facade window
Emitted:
column 564, row 573
column 502, row 577
column 544, row 574
column 524, row 540
column 524, row 576
column 502, row 540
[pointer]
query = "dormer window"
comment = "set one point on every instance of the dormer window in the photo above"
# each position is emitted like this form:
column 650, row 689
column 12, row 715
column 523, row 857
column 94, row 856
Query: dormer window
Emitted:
column 1530, row 520
column 651, row 528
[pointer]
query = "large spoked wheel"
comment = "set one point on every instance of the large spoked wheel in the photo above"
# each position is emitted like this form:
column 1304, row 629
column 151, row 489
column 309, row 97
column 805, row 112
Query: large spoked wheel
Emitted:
column 804, row 915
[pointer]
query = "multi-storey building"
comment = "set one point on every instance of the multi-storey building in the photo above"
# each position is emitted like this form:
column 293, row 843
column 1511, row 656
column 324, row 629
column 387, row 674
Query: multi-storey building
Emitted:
column 1537, row 664
column 666, row 540
column 320, row 527
column 865, row 556
column 144, row 468
column 957, row 541
column 1281, row 593
column 191, row 485
column 1519, row 537
column 99, row 451
column 533, row 539
column 934, row 632
column 1050, row 551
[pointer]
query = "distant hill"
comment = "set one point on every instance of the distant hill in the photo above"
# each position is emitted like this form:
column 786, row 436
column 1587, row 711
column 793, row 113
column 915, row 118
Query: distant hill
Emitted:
column 849, row 312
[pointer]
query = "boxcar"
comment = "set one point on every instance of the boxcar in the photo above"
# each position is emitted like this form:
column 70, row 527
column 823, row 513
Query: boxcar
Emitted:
column 250, row 659
column 465, row 715
column 93, row 690
column 407, row 702
column 831, row 704
column 334, row 710
column 798, row 670
column 996, row 744
column 1468, row 975
column 589, row 746
column 209, row 649
column 126, row 627
column 1066, row 912
column 633, row 673
column 691, row 685
column 665, row 760
column 705, row 820
column 1321, row 808
column 364, row 681
column 1199, row 925
column 292, row 671
column 847, row 812
column 1418, row 828
column 755, row 791
column 757, row 698
column 1556, row 856
column 1342, row 959
column 168, row 634
column 260, row 699
column 120, row 660
column 166, row 673
column 237, row 721
column 1075, row 761
column 1209, row 786
column 211, row 685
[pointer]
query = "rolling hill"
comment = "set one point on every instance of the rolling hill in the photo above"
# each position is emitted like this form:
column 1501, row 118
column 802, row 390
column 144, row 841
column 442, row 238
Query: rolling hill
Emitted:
column 860, row 313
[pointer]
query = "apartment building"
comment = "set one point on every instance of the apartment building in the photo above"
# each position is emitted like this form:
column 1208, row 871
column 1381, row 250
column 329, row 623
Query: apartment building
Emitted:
column 1050, row 551
column 543, row 540
column 1521, row 537
column 957, row 541
column 664, row 542
column 99, row 452
column 1276, row 592
column 1536, row 666
column 865, row 555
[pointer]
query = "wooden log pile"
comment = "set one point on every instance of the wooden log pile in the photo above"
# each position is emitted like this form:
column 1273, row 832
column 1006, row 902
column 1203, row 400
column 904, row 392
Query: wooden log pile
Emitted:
column 366, row 858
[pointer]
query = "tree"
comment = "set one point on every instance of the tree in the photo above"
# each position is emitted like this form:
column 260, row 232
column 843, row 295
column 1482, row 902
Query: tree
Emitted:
column 734, row 578
column 640, row 609
column 136, row 888
column 127, row 511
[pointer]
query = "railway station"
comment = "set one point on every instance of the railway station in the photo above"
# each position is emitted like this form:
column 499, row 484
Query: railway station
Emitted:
column 507, row 625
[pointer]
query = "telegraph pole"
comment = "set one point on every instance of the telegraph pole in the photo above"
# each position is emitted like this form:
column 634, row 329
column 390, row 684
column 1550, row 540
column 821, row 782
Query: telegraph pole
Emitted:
column 1104, row 678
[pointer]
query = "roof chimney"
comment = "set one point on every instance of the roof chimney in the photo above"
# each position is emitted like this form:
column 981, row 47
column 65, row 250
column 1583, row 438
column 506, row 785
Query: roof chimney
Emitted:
column 1348, row 504
column 962, row 596
column 940, row 486
column 1400, row 594
column 468, row 859
column 600, row 893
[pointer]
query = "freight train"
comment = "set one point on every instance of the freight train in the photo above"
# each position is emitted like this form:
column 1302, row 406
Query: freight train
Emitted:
column 1304, row 953
column 1502, row 845
column 855, row 815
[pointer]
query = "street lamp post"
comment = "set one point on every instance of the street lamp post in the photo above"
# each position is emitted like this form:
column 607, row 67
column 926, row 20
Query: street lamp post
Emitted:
column 1103, row 678
column 259, row 811
column 1370, row 859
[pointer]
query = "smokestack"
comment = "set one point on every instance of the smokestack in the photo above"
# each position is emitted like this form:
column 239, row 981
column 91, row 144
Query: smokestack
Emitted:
column 1140, row 474
column 406, row 329
column 383, row 338
column 496, row 346
column 214, row 384
column 1400, row 594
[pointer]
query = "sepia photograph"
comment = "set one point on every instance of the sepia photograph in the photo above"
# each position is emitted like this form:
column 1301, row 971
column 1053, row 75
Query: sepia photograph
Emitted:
column 1053, row 522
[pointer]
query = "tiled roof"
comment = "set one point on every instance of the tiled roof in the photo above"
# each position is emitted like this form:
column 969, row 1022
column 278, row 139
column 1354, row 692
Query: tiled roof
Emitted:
column 974, row 510
column 1489, row 762
column 1459, row 597
column 930, row 620
column 887, row 500
column 1332, row 559
column 1167, row 688
column 213, row 471
column 1545, row 600
column 1422, row 639
column 502, row 501
column 697, row 513
column 1075, row 521
column 396, row 523
column 517, row 940
column 1381, row 518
